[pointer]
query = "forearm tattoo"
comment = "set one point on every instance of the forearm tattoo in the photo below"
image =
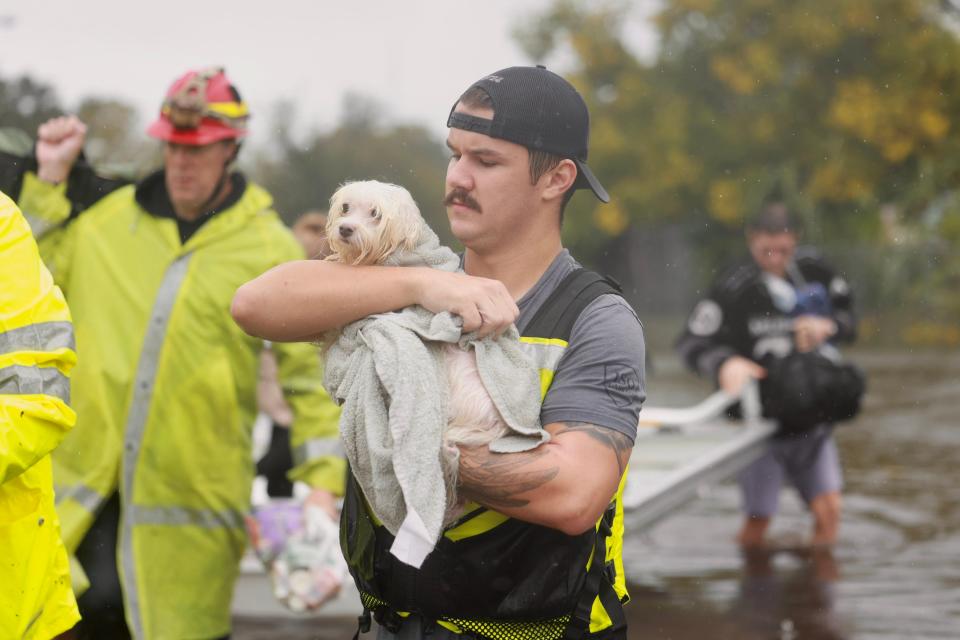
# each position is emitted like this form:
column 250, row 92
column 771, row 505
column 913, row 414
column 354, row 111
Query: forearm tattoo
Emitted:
column 614, row 440
column 496, row 479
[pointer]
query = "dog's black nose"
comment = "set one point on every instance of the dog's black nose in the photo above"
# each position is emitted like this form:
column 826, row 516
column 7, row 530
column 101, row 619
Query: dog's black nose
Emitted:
column 345, row 231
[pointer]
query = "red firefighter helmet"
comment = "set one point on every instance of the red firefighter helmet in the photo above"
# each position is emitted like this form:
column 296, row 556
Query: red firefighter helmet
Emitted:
column 201, row 107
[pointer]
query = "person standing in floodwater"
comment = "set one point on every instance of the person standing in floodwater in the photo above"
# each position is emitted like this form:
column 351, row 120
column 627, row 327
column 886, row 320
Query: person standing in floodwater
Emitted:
column 763, row 308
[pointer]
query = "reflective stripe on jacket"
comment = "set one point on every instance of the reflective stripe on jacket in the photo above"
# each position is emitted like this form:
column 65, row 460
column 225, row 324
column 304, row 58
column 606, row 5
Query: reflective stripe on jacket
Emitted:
column 166, row 394
column 36, row 358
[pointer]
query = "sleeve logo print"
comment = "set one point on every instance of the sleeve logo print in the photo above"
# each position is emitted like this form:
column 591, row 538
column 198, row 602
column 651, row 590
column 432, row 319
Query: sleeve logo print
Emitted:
column 706, row 318
column 622, row 383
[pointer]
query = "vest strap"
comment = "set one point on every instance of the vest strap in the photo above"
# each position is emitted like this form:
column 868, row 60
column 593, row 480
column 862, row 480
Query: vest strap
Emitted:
column 363, row 623
column 597, row 583
column 557, row 315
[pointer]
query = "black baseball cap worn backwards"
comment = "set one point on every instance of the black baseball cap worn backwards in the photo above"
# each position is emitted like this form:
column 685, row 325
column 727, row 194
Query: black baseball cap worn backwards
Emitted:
column 537, row 109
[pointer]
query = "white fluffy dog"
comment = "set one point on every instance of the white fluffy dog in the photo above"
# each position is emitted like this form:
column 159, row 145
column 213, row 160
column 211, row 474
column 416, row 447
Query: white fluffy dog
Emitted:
column 367, row 223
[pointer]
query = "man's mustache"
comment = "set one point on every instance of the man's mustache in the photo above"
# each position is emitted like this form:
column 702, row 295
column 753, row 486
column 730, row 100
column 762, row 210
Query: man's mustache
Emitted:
column 461, row 197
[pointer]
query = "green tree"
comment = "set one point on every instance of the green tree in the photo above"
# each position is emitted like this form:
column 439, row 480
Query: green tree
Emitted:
column 844, row 104
column 116, row 143
column 26, row 103
column 842, row 107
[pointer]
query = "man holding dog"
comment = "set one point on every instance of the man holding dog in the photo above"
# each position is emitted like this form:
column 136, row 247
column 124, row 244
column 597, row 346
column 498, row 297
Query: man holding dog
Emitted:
column 154, row 481
column 538, row 553
column 781, row 299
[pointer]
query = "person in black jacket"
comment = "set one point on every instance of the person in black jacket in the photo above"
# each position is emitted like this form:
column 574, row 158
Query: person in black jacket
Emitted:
column 783, row 298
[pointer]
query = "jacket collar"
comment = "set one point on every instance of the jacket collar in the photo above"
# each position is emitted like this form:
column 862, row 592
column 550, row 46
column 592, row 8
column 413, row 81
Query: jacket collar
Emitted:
column 152, row 195
column 245, row 200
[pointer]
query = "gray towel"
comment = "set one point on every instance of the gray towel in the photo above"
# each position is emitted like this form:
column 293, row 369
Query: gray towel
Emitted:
column 387, row 372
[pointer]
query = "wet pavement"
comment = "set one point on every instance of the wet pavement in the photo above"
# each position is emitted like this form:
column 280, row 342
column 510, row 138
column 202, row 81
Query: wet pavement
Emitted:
column 896, row 570
column 895, row 573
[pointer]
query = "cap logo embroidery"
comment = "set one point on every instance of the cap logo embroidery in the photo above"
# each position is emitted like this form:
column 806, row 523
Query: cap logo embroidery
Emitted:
column 496, row 79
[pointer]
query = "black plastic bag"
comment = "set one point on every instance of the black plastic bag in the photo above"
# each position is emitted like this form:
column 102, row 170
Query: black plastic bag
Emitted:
column 802, row 390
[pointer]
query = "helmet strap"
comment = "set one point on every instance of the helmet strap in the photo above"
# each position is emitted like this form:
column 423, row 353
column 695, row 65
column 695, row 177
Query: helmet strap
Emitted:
column 224, row 176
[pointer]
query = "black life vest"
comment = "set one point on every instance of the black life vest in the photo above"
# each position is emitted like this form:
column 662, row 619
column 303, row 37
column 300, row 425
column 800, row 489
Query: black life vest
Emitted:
column 490, row 576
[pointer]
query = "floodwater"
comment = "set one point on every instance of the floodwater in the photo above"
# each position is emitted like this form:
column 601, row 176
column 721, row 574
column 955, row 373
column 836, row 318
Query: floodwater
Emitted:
column 895, row 573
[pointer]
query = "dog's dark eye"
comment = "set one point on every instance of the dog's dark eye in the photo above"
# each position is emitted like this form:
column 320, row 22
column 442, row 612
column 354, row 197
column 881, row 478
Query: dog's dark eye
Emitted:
column 345, row 207
column 375, row 213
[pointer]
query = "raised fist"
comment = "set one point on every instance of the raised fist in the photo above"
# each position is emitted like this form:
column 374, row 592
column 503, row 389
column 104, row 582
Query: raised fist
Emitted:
column 59, row 142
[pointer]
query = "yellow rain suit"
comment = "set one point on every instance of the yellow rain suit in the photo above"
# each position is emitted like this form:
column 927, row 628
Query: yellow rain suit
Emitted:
column 166, row 395
column 36, row 357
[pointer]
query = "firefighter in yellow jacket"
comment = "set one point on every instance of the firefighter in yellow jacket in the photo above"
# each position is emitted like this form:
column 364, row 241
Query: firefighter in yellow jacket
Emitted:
column 36, row 358
column 154, row 482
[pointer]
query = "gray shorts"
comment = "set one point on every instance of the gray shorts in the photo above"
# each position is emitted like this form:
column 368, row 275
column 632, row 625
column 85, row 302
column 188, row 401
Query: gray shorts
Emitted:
column 809, row 461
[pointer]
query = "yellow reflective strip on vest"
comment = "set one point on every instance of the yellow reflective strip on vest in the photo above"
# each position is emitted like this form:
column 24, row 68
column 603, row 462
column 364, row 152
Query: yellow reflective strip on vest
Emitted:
column 449, row 626
column 477, row 525
column 556, row 342
column 615, row 550
column 546, row 379
column 546, row 354
column 599, row 618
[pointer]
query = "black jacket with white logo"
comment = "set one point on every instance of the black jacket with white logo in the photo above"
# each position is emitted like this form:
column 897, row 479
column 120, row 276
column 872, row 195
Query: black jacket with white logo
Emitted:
column 741, row 315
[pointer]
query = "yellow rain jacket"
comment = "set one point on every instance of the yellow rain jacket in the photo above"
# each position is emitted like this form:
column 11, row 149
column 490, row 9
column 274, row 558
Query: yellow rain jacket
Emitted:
column 36, row 356
column 166, row 395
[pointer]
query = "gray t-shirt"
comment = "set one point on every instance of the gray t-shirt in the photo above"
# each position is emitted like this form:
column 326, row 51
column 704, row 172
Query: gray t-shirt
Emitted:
column 600, row 378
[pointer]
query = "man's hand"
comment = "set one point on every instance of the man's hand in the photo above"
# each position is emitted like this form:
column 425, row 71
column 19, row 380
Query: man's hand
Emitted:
column 736, row 371
column 484, row 304
column 326, row 501
column 59, row 142
column 809, row 332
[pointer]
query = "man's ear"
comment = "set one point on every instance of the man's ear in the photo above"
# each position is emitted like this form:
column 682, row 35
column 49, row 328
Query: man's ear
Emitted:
column 560, row 179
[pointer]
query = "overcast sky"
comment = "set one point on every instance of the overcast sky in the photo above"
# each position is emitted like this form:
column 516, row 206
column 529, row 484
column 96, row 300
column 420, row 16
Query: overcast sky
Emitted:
column 413, row 56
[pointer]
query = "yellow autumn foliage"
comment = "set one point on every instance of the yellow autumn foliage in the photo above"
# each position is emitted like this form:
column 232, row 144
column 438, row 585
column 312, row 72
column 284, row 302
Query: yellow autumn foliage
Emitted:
column 842, row 105
column 732, row 72
column 726, row 201
column 610, row 218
